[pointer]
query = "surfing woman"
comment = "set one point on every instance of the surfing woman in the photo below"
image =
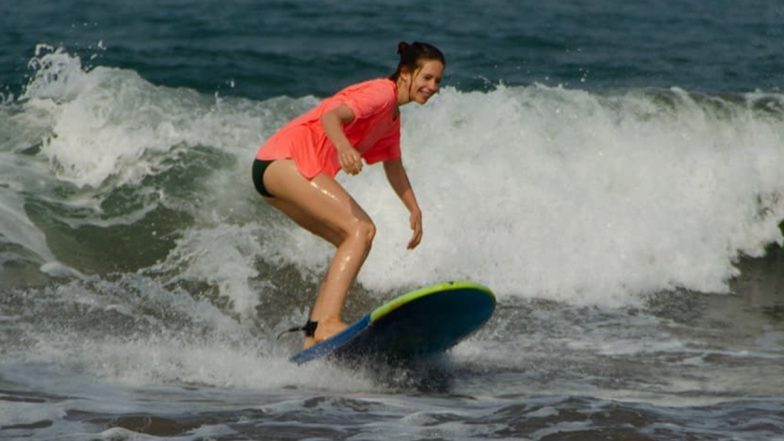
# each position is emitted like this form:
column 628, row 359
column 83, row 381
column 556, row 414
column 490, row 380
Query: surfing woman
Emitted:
column 295, row 171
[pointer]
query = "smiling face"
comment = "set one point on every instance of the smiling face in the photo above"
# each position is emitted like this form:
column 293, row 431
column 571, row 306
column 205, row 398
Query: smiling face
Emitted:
column 421, row 84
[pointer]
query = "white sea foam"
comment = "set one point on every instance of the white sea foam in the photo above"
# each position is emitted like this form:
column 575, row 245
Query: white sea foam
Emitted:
column 172, row 360
column 142, row 332
column 17, row 228
column 571, row 196
column 223, row 256
column 109, row 122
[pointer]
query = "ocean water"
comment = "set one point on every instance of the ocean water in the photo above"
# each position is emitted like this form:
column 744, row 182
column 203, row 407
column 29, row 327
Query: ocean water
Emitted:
column 614, row 171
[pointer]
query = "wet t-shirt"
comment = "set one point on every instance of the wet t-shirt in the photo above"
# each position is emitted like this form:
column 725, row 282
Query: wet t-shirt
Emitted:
column 374, row 132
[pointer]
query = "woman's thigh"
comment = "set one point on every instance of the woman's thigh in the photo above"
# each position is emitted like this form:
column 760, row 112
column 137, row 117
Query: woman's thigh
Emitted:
column 320, row 205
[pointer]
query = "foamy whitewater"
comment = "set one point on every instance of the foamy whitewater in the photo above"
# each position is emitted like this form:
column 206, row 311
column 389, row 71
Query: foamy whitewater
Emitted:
column 632, row 236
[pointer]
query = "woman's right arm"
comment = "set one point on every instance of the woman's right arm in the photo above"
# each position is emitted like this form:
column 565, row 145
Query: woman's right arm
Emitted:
column 332, row 121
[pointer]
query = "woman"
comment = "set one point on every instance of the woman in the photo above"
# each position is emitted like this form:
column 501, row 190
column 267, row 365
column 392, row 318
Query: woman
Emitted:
column 295, row 171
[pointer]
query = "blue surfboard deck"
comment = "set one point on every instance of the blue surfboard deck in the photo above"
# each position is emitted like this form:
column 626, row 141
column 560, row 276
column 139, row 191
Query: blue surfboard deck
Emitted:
column 415, row 325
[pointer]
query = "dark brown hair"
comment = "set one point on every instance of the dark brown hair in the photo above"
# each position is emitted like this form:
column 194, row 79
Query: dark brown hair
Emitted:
column 412, row 54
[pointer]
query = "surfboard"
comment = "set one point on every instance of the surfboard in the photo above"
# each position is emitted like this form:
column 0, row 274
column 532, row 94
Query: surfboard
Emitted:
column 416, row 325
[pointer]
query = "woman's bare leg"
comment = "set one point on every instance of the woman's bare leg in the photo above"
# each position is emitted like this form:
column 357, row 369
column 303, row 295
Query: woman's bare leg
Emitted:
column 323, row 207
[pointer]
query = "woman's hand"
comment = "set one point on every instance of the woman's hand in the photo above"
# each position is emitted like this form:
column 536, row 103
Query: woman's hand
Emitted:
column 416, row 227
column 350, row 160
column 333, row 120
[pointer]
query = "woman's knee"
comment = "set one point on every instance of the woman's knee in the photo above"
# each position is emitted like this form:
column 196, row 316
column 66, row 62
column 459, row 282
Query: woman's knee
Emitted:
column 363, row 230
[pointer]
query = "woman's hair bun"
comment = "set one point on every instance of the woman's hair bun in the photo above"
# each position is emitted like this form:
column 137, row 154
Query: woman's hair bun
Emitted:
column 411, row 54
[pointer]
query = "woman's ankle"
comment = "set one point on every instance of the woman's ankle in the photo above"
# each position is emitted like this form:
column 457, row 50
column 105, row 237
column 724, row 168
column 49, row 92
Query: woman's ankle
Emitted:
column 325, row 329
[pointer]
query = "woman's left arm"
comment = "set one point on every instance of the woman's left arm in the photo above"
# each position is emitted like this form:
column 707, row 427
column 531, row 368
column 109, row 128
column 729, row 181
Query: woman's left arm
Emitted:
column 398, row 179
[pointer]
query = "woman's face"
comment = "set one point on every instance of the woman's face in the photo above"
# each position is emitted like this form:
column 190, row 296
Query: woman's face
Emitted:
column 426, row 81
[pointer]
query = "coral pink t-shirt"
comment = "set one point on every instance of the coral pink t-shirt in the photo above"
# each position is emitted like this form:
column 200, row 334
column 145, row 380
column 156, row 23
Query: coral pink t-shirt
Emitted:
column 374, row 132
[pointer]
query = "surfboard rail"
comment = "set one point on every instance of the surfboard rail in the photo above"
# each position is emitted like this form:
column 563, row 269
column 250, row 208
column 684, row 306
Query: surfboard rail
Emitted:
column 397, row 302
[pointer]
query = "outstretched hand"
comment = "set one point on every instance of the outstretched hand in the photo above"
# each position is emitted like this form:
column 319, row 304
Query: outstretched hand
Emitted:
column 416, row 226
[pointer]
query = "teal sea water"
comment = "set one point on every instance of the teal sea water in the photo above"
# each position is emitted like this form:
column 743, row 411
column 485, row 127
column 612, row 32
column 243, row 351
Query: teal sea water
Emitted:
column 612, row 170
